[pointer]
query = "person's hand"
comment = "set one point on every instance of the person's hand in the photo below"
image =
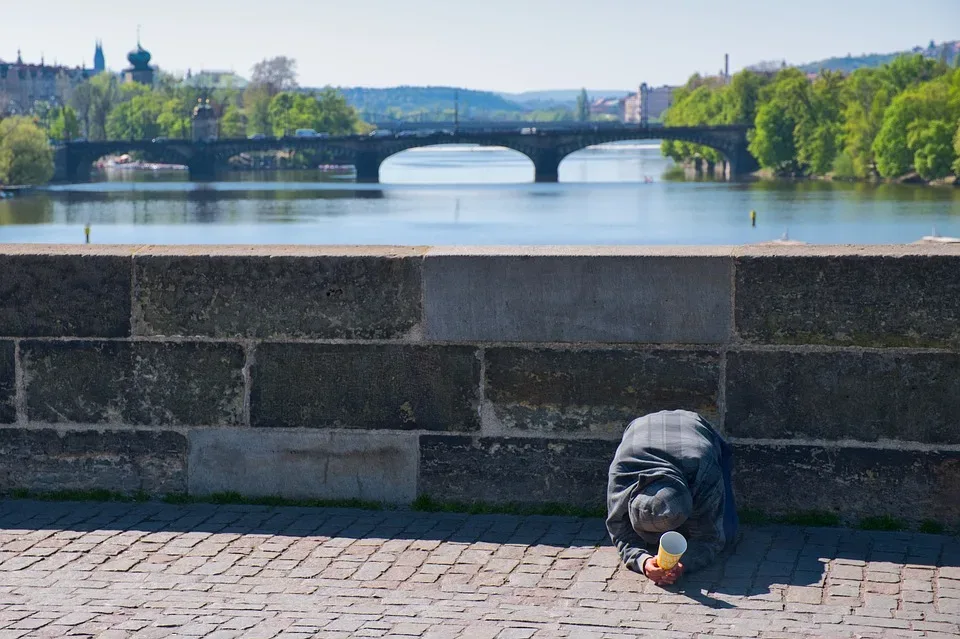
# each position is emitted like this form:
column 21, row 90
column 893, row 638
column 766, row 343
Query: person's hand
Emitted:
column 658, row 575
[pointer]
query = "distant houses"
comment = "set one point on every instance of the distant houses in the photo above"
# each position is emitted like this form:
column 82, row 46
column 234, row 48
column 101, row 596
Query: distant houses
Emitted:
column 648, row 103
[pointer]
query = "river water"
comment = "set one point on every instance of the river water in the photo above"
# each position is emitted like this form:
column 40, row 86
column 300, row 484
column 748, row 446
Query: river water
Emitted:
column 617, row 194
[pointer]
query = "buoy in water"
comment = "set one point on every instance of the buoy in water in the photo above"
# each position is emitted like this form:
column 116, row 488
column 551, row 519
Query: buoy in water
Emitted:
column 753, row 218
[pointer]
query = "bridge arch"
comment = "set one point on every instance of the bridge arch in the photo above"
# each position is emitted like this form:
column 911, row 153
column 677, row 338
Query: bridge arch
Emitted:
column 635, row 160
column 74, row 162
column 512, row 166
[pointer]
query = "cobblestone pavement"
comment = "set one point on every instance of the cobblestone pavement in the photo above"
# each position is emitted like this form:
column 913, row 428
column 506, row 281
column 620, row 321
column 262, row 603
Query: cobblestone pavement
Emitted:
column 155, row 570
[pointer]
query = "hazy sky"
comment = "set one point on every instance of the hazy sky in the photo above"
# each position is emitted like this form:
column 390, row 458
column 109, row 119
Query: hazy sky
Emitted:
column 505, row 45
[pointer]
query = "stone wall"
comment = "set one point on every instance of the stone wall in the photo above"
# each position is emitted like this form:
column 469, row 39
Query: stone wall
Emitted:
column 494, row 374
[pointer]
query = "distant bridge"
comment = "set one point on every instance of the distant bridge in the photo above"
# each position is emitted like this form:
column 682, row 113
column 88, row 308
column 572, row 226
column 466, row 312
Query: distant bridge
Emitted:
column 546, row 148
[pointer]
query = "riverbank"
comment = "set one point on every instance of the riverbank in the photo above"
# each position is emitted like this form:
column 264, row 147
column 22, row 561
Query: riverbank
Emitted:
column 909, row 178
column 11, row 191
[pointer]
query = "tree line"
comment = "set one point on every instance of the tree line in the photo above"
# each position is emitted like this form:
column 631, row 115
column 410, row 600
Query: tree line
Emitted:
column 887, row 122
column 103, row 108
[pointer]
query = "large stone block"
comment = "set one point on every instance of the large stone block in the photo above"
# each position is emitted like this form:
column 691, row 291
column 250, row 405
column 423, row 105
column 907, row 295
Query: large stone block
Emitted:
column 62, row 294
column 304, row 464
column 844, row 395
column 142, row 383
column 594, row 295
column 8, row 409
column 865, row 300
column 597, row 391
column 502, row 470
column 366, row 386
column 287, row 293
column 852, row 482
column 126, row 461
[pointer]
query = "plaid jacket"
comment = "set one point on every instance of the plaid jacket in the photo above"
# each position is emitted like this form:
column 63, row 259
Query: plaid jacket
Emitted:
column 682, row 445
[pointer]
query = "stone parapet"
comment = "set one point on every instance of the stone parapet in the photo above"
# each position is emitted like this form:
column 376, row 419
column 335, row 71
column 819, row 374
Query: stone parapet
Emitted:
column 496, row 374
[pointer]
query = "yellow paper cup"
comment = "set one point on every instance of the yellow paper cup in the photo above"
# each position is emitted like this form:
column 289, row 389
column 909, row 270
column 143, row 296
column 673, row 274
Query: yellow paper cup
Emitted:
column 672, row 547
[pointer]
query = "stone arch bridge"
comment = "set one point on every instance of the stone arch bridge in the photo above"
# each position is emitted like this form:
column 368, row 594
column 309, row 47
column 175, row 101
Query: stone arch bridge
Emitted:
column 546, row 148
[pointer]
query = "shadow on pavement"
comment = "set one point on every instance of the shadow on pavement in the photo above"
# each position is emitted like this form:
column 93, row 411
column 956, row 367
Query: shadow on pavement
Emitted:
column 767, row 559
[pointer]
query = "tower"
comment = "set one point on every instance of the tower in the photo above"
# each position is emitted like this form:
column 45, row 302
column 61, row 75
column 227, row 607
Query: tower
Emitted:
column 644, row 104
column 205, row 124
column 140, row 69
column 99, row 62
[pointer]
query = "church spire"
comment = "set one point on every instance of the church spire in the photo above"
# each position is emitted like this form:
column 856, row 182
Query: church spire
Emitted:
column 99, row 63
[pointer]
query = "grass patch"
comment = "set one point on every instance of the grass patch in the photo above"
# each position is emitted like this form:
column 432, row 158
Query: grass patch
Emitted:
column 814, row 518
column 811, row 518
column 932, row 527
column 95, row 494
column 753, row 517
column 425, row 503
column 883, row 522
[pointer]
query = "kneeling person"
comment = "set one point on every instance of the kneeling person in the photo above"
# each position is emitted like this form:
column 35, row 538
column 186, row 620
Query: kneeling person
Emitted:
column 672, row 471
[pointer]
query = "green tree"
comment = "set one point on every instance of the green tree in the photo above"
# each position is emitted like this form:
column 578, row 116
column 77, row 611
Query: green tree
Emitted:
column 910, row 70
column 933, row 149
column 104, row 96
column 771, row 142
column 583, row 106
column 174, row 118
column 137, row 118
column 231, row 123
column 256, row 106
column 25, row 155
column 907, row 127
column 65, row 125
column 740, row 99
column 337, row 117
column 867, row 94
column 281, row 114
column 956, row 145
column 819, row 128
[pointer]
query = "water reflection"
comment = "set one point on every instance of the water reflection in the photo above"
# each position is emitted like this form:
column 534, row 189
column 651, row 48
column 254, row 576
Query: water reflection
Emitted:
column 480, row 197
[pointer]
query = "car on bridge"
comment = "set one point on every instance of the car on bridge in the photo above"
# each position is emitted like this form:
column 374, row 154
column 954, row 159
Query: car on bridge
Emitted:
column 381, row 133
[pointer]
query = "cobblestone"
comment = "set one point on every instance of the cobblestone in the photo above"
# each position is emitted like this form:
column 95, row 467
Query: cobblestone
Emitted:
column 156, row 570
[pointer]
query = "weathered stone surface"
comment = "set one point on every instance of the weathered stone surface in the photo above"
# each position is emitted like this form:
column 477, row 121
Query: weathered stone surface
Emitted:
column 838, row 395
column 319, row 296
column 64, row 295
column 366, row 386
column 126, row 461
column 871, row 300
column 8, row 411
column 852, row 482
column 304, row 464
column 578, row 298
column 140, row 383
column 515, row 470
column 597, row 391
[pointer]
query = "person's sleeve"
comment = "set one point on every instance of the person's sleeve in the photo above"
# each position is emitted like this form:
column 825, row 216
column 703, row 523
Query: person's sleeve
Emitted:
column 705, row 534
column 632, row 549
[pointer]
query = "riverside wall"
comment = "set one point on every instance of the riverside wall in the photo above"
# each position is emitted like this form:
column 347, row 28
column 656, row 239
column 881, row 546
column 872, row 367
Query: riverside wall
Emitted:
column 493, row 374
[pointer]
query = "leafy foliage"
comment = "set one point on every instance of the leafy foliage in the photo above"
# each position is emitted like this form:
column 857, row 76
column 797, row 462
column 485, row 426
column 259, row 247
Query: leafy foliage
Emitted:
column 884, row 122
column 25, row 155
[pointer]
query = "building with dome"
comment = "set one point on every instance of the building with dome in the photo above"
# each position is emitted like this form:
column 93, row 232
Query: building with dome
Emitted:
column 140, row 70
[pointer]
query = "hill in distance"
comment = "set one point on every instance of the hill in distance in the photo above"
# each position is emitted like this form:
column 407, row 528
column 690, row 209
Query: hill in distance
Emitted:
column 561, row 97
column 380, row 102
column 849, row 63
